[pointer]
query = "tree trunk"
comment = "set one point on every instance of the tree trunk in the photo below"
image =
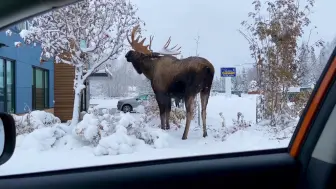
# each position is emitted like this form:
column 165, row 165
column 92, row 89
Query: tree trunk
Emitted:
column 76, row 106
column 78, row 87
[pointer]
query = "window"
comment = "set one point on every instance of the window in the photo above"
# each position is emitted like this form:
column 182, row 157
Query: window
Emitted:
column 40, row 89
column 143, row 97
column 23, row 26
column 7, row 86
column 254, row 111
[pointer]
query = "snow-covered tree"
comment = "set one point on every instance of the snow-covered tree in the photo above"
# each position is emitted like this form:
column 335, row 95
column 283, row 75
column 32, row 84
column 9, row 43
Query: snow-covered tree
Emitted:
column 235, row 83
column 252, row 74
column 273, row 32
column 146, row 86
column 124, row 76
column 253, row 86
column 323, row 58
column 85, row 35
column 244, row 81
column 216, row 84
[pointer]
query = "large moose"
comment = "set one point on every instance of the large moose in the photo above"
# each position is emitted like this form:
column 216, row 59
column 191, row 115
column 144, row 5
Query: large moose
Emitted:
column 172, row 78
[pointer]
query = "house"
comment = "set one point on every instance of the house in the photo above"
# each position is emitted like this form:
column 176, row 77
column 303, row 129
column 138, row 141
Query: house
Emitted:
column 100, row 80
column 25, row 83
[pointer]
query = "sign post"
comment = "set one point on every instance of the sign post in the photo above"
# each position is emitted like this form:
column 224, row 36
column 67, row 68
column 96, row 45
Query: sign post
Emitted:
column 227, row 73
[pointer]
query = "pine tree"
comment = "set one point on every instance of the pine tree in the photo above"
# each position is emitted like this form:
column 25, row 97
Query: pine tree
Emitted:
column 234, row 83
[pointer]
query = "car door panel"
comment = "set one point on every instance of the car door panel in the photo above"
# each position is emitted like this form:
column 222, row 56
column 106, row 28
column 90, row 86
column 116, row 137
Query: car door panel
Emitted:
column 271, row 170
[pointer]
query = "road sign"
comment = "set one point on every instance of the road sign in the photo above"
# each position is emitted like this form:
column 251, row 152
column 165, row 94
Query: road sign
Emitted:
column 228, row 72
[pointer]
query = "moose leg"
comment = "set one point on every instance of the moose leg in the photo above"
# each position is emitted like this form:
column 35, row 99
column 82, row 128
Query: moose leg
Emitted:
column 204, row 102
column 162, row 108
column 168, row 109
column 177, row 103
column 190, row 109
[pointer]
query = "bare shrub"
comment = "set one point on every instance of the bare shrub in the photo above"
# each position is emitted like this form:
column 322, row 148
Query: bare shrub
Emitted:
column 177, row 115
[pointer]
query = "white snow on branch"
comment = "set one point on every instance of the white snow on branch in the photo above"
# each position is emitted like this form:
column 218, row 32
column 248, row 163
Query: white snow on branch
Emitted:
column 108, row 72
column 9, row 32
column 17, row 44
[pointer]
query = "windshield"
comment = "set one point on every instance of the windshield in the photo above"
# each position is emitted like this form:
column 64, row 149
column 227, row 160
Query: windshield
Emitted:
column 225, row 76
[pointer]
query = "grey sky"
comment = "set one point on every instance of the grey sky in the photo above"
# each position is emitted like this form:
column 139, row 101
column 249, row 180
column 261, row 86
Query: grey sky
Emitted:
column 216, row 21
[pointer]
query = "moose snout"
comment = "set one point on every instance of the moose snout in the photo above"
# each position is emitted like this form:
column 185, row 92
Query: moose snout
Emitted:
column 128, row 56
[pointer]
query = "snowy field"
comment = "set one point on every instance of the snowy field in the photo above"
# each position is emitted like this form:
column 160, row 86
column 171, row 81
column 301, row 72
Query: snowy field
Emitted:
column 52, row 149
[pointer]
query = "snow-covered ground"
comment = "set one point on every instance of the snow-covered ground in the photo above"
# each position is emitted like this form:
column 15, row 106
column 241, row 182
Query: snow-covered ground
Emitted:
column 50, row 149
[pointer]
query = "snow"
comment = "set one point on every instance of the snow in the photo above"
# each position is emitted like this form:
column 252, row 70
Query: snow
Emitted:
column 230, row 106
column 294, row 89
column 52, row 148
column 9, row 32
column 24, row 34
column 17, row 44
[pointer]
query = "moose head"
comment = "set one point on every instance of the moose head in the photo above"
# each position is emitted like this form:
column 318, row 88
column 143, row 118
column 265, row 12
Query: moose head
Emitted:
column 141, row 51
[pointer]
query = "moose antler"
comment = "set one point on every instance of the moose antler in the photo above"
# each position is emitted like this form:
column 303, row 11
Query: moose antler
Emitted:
column 139, row 46
column 146, row 49
column 170, row 51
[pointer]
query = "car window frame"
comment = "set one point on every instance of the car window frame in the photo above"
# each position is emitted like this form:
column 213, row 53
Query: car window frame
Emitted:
column 299, row 125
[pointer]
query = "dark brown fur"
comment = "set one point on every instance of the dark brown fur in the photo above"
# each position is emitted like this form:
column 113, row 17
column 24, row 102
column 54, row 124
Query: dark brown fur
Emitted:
column 176, row 78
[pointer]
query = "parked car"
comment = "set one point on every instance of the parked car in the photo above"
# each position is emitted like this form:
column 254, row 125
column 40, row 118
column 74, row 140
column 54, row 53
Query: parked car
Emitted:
column 128, row 105
column 238, row 93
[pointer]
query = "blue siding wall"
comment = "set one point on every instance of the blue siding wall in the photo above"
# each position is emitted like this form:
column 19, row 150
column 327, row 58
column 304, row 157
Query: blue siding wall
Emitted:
column 25, row 57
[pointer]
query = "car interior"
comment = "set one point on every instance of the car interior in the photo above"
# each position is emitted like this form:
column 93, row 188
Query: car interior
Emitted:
column 308, row 162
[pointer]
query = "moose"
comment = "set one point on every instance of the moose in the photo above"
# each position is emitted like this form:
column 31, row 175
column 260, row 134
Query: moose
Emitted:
column 172, row 77
column 178, row 101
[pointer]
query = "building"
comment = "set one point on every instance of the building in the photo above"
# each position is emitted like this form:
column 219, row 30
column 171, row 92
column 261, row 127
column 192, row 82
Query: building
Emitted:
column 100, row 80
column 25, row 84
column 64, row 92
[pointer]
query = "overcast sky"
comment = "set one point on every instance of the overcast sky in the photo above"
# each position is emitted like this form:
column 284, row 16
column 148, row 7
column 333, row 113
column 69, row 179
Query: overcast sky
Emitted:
column 216, row 22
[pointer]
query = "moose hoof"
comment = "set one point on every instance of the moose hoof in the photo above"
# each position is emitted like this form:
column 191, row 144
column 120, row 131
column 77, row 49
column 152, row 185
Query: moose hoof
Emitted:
column 184, row 138
column 205, row 134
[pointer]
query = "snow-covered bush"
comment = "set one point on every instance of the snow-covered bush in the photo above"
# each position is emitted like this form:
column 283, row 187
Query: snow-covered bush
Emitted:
column 152, row 113
column 128, row 134
column 119, row 142
column 253, row 86
column 240, row 121
column 285, row 127
column 93, row 127
column 37, row 119
column 238, row 124
column 117, row 134
column 223, row 119
column 149, row 133
column 40, row 139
